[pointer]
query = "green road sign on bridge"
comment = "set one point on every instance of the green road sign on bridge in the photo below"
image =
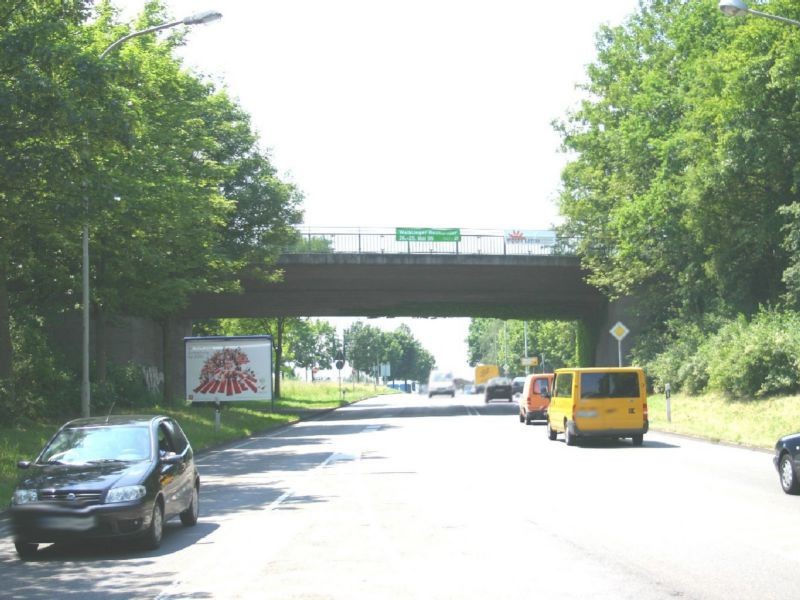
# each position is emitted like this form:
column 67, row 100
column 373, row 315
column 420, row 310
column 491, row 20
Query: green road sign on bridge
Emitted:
column 426, row 234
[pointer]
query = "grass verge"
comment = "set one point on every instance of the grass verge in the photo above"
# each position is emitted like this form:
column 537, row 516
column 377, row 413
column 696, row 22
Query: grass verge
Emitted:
column 237, row 420
column 754, row 423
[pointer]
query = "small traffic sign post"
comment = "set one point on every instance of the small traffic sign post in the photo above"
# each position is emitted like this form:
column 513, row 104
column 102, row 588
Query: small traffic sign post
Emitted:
column 339, row 367
column 619, row 331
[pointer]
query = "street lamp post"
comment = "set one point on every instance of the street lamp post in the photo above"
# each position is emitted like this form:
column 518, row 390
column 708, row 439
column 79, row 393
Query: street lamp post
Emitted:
column 197, row 19
column 738, row 7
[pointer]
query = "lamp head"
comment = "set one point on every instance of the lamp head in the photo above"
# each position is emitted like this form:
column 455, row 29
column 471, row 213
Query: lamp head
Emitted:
column 203, row 17
column 733, row 7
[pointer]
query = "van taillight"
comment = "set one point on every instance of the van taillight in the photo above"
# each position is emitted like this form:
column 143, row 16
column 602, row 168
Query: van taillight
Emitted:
column 644, row 410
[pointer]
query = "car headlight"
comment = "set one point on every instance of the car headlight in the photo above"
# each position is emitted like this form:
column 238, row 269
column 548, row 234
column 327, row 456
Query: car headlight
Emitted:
column 126, row 493
column 24, row 497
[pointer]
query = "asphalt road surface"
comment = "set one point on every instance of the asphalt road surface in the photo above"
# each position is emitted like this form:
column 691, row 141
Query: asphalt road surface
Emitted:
column 405, row 497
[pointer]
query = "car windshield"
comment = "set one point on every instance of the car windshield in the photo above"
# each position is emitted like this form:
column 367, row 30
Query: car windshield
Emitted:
column 81, row 445
column 500, row 381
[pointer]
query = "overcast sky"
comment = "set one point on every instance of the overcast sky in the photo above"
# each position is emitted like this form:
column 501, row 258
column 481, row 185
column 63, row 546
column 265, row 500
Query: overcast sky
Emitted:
column 420, row 113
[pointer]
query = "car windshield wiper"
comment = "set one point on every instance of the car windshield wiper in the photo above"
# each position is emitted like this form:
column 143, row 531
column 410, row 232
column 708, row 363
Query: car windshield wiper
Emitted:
column 104, row 460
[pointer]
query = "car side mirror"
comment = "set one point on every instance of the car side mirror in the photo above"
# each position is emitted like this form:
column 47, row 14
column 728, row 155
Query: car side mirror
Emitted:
column 171, row 459
column 23, row 464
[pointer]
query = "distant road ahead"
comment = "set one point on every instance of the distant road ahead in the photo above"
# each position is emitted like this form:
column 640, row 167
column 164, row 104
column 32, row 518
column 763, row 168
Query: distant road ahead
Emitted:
column 406, row 497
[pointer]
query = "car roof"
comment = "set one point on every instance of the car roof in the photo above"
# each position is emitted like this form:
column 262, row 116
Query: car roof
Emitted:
column 114, row 421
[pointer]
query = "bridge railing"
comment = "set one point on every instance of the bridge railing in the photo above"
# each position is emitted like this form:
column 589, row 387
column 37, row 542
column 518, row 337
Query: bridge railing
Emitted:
column 383, row 241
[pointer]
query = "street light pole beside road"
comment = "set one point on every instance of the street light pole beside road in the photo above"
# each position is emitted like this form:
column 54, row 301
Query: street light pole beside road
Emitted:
column 200, row 18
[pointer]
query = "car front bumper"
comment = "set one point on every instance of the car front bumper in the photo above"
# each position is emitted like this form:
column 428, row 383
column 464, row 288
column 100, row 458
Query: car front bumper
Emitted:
column 43, row 522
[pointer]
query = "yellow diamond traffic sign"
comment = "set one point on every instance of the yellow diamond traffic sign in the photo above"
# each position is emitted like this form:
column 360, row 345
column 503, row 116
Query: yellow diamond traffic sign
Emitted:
column 619, row 331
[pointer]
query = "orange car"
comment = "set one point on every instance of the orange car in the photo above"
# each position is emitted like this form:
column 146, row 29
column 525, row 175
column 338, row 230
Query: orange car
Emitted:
column 535, row 397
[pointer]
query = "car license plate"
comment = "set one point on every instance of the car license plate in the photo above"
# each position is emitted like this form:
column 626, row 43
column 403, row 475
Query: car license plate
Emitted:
column 67, row 523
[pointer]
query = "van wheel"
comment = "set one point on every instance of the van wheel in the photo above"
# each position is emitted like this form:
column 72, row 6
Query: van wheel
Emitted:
column 552, row 434
column 528, row 418
column 637, row 439
column 569, row 439
column 521, row 417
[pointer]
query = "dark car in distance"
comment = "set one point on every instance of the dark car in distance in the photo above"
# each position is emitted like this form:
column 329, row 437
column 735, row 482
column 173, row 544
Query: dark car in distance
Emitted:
column 115, row 477
column 498, row 387
column 787, row 461
column 516, row 385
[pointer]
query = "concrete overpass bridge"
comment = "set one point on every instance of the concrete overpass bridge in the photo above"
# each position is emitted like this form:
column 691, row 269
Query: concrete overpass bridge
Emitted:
column 372, row 273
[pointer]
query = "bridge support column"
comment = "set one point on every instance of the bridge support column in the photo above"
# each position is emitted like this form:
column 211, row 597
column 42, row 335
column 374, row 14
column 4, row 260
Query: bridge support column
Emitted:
column 174, row 330
column 606, row 348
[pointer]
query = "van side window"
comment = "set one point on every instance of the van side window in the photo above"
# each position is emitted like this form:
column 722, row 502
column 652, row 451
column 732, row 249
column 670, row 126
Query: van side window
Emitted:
column 563, row 385
column 609, row 385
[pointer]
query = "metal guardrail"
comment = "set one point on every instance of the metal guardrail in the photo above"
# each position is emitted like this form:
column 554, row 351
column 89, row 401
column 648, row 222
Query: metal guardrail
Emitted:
column 383, row 241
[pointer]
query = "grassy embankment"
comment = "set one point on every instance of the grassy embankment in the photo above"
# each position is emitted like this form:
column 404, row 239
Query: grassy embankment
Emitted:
column 237, row 421
column 754, row 423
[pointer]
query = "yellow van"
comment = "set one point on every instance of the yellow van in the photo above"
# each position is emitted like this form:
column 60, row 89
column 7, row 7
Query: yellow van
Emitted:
column 598, row 402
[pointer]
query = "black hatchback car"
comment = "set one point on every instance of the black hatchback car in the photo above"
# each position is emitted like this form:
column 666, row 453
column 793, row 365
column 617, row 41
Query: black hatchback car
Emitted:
column 787, row 461
column 498, row 387
column 116, row 477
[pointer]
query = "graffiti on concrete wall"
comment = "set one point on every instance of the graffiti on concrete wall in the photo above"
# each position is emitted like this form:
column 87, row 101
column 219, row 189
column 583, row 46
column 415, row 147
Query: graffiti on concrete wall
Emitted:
column 153, row 378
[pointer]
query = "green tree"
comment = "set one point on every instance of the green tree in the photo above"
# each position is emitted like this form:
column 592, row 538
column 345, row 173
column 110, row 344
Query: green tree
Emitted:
column 409, row 360
column 685, row 149
column 46, row 107
column 498, row 342
column 365, row 346
column 314, row 344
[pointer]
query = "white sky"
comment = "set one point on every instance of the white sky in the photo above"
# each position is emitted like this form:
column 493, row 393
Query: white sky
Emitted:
column 420, row 113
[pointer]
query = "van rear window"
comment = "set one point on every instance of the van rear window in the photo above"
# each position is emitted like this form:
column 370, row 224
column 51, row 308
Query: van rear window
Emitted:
column 609, row 385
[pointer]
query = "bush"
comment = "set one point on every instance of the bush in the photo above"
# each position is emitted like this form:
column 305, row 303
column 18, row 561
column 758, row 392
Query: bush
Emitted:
column 40, row 386
column 757, row 358
column 740, row 358
column 683, row 364
column 125, row 389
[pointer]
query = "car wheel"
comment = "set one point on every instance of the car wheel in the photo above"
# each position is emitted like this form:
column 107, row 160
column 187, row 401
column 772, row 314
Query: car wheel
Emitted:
column 154, row 533
column 789, row 481
column 26, row 550
column 528, row 419
column 189, row 516
column 569, row 439
column 637, row 439
column 552, row 434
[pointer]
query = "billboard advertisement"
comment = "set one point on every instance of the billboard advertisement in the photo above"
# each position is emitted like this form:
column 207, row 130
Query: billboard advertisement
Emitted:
column 526, row 236
column 228, row 369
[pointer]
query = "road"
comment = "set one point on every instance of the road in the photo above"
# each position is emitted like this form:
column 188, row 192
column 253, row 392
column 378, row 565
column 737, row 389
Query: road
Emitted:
column 402, row 497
